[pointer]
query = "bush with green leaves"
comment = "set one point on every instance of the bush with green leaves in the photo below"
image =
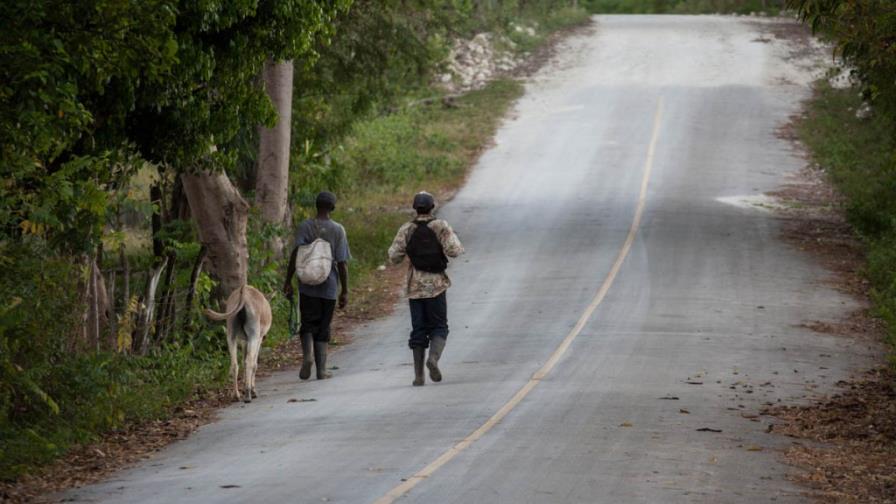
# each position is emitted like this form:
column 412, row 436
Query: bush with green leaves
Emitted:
column 864, row 32
column 87, row 86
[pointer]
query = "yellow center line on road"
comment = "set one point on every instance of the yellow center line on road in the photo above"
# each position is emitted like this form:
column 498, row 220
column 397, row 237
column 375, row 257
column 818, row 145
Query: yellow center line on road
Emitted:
column 552, row 361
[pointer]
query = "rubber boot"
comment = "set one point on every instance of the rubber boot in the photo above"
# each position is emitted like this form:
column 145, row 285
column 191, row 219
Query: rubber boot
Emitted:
column 320, row 360
column 307, row 343
column 436, row 345
column 419, row 356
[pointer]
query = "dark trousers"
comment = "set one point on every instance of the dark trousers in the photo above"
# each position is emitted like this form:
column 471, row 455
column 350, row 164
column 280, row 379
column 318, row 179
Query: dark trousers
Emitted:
column 317, row 314
column 429, row 319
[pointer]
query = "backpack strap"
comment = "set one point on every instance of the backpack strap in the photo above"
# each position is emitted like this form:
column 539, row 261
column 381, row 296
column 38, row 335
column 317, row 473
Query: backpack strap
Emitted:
column 315, row 228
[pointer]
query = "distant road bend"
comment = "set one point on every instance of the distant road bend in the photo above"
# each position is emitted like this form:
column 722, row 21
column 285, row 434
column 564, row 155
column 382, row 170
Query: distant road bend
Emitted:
column 617, row 291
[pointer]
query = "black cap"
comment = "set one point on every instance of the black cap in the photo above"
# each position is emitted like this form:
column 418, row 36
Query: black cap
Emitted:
column 325, row 199
column 423, row 200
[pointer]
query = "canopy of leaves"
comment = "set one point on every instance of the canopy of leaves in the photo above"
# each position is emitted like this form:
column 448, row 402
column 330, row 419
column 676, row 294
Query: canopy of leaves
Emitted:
column 88, row 87
column 865, row 34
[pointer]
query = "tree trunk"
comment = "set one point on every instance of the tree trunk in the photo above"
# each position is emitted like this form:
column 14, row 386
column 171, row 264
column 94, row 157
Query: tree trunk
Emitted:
column 272, row 172
column 220, row 214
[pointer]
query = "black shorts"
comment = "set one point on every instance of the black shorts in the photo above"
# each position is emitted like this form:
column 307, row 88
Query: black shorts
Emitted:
column 316, row 314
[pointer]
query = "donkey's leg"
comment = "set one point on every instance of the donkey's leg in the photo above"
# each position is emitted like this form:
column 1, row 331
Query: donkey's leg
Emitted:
column 253, row 347
column 256, row 348
column 233, row 348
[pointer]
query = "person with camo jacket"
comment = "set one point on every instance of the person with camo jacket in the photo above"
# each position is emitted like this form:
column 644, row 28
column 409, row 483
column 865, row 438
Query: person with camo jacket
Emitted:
column 428, row 243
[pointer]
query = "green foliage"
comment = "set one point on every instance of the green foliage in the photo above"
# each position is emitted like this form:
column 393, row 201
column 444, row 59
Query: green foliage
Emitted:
column 52, row 392
column 882, row 272
column 38, row 316
column 864, row 31
column 859, row 155
column 421, row 143
column 98, row 392
column 66, row 71
column 86, row 86
column 382, row 151
column 383, row 50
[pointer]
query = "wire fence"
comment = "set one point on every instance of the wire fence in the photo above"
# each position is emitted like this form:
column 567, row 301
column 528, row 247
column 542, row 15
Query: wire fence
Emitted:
column 144, row 308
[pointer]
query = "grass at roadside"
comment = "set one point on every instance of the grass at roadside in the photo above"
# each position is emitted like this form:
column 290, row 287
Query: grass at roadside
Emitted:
column 859, row 156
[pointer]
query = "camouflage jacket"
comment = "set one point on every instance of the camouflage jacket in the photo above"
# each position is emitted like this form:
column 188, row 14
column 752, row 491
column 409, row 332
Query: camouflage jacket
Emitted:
column 422, row 284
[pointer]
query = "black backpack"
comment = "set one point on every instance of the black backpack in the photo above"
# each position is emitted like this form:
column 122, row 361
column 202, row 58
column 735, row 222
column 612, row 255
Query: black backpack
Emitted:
column 425, row 251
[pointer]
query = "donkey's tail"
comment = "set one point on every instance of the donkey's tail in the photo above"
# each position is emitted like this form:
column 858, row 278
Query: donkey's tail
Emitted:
column 224, row 316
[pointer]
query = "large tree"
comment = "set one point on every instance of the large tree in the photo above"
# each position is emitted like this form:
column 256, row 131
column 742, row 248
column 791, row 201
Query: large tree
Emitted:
column 272, row 172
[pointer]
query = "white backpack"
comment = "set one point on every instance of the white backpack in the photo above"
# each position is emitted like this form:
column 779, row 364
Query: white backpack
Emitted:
column 314, row 261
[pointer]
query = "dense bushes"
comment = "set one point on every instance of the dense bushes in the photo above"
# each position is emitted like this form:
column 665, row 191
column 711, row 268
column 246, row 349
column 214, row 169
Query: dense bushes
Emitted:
column 864, row 32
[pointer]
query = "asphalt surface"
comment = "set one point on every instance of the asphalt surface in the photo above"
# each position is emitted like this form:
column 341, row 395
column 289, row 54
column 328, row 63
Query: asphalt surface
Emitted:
column 705, row 306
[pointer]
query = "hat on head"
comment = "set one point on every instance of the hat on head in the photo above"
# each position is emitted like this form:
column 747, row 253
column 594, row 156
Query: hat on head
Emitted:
column 325, row 198
column 423, row 200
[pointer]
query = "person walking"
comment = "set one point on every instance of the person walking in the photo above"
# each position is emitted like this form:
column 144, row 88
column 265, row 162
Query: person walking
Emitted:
column 317, row 302
column 428, row 243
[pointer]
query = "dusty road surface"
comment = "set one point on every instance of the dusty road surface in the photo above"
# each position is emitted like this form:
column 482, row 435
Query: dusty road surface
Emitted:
column 622, row 312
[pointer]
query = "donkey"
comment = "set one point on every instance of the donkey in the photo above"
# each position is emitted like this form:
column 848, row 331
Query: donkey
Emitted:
column 248, row 319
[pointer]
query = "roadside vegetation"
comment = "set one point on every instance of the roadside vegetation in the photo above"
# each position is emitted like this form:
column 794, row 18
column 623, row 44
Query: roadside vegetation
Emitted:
column 851, row 133
column 106, row 265
column 851, row 136
column 859, row 156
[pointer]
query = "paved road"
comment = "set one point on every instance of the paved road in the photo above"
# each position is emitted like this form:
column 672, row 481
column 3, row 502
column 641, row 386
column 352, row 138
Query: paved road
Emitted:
column 639, row 147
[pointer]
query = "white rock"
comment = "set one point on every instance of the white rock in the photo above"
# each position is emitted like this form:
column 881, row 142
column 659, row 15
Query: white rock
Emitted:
column 864, row 112
column 482, row 39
